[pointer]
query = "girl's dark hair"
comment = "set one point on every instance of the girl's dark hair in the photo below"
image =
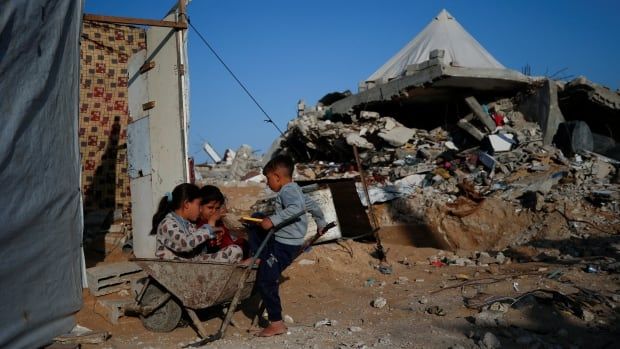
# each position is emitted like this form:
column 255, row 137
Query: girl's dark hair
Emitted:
column 172, row 201
column 210, row 193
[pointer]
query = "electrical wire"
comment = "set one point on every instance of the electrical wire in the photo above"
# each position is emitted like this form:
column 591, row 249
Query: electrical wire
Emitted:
column 269, row 119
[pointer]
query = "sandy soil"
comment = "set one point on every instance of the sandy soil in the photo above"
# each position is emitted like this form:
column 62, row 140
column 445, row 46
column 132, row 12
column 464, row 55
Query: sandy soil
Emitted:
column 343, row 282
column 425, row 304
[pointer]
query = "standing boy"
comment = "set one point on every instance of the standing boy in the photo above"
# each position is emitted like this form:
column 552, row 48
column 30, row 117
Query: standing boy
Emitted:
column 280, row 251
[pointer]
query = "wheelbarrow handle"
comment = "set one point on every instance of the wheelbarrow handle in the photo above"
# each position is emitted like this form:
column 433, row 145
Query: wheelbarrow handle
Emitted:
column 316, row 236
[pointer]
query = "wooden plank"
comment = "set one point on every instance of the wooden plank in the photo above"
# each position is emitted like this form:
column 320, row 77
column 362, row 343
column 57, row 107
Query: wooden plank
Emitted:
column 134, row 21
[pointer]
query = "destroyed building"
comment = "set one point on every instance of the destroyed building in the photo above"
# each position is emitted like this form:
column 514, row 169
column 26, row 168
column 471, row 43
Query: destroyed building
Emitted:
column 481, row 155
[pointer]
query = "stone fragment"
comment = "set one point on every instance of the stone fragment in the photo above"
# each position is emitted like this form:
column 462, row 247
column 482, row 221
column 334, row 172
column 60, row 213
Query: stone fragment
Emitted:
column 490, row 318
column 306, row 262
column 500, row 258
column 587, row 315
column 398, row 136
column 369, row 115
column 359, row 141
column 489, row 341
column 379, row 302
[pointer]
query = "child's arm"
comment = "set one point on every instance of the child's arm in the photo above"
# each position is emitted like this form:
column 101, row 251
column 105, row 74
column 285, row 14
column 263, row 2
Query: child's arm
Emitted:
column 292, row 203
column 316, row 212
column 178, row 240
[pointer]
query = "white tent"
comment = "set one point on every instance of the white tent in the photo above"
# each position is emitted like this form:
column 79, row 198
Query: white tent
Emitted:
column 443, row 33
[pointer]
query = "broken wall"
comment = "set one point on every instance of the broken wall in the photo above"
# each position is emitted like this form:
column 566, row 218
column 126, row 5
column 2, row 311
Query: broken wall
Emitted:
column 104, row 54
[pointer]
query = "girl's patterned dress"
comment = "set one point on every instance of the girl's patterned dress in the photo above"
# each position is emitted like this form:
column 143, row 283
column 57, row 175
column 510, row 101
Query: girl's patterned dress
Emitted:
column 178, row 238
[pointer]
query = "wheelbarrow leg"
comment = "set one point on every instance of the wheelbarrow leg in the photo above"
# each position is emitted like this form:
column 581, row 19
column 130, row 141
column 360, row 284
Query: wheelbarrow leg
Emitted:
column 201, row 330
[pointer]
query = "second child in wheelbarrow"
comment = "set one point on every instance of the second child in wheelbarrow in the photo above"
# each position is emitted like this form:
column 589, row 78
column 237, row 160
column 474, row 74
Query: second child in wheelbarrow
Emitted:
column 178, row 238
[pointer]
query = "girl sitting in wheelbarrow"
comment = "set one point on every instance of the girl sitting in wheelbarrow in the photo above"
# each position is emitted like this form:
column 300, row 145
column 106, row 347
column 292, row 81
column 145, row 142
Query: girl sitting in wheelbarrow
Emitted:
column 212, row 212
column 178, row 238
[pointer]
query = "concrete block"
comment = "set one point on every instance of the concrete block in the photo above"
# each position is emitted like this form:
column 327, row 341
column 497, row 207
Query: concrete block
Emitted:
column 542, row 106
column 573, row 137
column 369, row 115
column 113, row 277
column 411, row 69
column 471, row 129
column 111, row 309
column 398, row 136
column 359, row 141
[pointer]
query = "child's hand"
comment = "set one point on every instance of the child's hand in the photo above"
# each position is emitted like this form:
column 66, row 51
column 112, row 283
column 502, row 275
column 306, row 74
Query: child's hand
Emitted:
column 215, row 217
column 266, row 224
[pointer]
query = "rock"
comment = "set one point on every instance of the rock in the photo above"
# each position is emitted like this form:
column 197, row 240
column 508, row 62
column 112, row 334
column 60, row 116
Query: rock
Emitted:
column 587, row 316
column 490, row 318
column 456, row 346
column 369, row 115
column 325, row 322
column 489, row 341
column 484, row 258
column 359, row 141
column 384, row 340
column 423, row 300
column 461, row 262
column 355, row 329
column 288, row 319
column 436, row 310
column 499, row 307
column 379, row 302
column 500, row 258
column 306, row 262
column 401, row 280
column 398, row 136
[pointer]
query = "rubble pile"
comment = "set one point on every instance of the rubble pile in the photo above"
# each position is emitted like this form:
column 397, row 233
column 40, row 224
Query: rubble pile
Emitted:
column 487, row 181
column 239, row 166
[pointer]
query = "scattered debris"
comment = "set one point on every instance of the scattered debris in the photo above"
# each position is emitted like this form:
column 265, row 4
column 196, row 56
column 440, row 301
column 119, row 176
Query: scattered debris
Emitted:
column 325, row 322
column 82, row 335
column 436, row 310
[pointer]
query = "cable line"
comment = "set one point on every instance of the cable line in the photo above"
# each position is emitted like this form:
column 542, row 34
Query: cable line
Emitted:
column 269, row 119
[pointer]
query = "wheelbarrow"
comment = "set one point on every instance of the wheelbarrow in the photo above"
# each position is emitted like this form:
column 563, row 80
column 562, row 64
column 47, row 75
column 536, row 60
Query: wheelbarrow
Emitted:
column 174, row 286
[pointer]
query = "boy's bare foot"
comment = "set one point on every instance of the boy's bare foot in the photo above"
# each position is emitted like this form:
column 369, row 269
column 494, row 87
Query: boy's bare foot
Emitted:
column 246, row 262
column 275, row 328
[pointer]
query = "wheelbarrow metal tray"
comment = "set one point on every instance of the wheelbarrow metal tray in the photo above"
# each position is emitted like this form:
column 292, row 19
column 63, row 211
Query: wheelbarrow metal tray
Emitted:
column 198, row 285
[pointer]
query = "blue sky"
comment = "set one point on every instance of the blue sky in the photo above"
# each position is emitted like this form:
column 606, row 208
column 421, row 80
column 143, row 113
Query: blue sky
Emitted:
column 284, row 51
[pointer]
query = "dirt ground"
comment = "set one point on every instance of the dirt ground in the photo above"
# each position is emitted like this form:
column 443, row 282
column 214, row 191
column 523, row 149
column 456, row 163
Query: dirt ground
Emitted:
column 332, row 294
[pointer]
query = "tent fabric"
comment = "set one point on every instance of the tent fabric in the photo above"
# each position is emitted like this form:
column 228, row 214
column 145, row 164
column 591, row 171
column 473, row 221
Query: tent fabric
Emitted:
column 445, row 33
column 41, row 215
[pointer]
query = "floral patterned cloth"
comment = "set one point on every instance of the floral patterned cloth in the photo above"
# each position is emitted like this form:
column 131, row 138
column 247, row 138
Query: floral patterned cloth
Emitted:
column 178, row 238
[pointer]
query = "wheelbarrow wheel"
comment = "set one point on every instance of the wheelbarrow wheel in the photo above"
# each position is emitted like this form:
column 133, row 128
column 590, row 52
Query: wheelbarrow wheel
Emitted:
column 166, row 317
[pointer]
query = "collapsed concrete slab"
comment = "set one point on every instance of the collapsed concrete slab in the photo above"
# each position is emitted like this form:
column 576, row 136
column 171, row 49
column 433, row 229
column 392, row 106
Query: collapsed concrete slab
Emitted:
column 430, row 84
column 397, row 136
column 542, row 107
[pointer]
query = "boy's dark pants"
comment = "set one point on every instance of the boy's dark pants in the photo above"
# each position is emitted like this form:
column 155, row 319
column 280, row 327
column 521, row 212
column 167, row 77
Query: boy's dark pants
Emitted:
column 275, row 257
